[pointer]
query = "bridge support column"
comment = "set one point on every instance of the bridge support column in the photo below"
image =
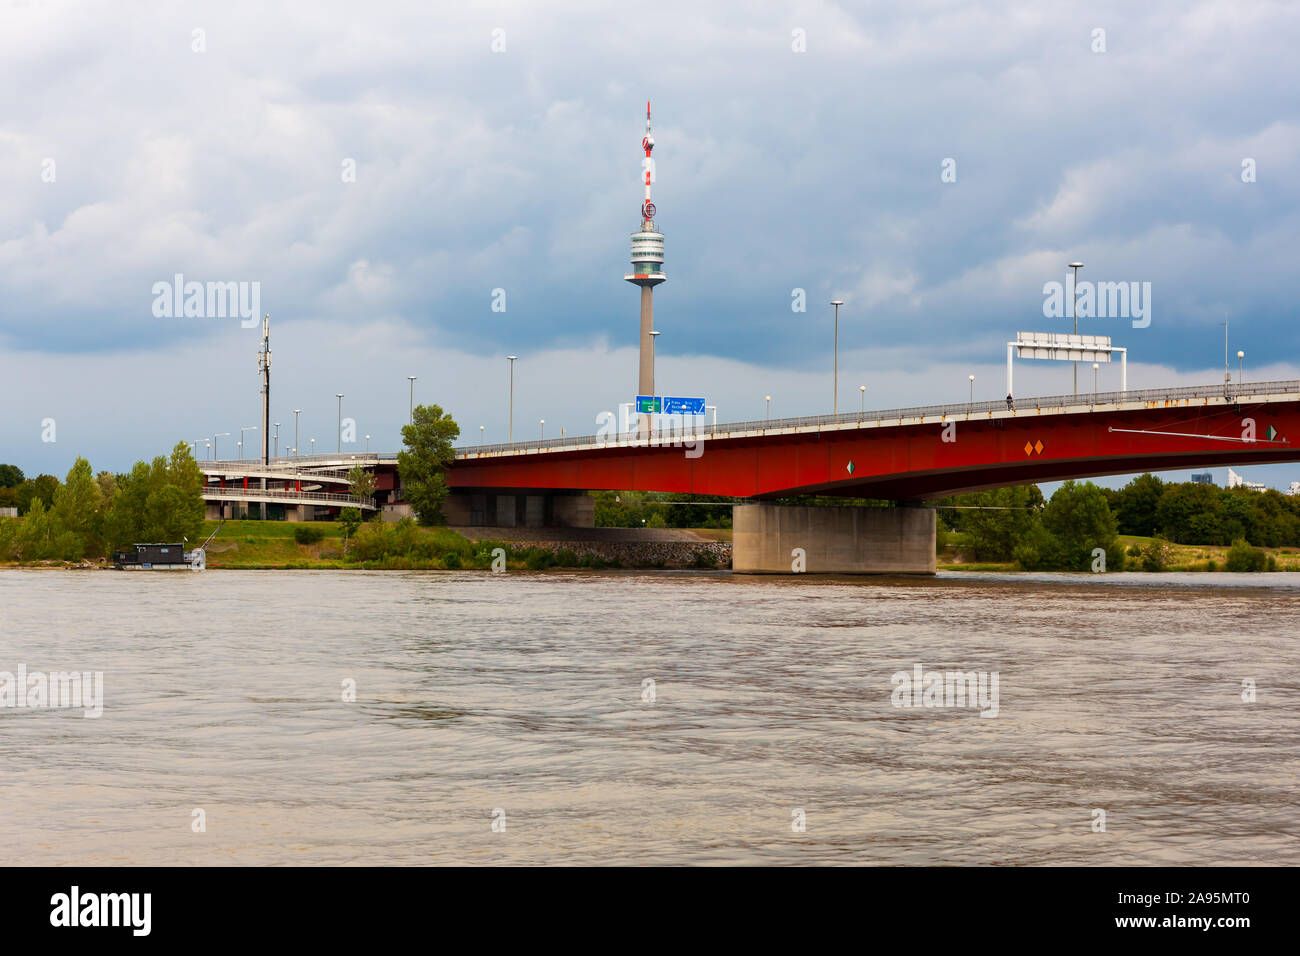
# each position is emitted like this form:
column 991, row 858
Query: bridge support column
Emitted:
column 790, row 539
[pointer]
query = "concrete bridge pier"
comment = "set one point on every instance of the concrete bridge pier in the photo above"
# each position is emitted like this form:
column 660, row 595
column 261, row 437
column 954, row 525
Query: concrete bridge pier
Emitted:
column 792, row 539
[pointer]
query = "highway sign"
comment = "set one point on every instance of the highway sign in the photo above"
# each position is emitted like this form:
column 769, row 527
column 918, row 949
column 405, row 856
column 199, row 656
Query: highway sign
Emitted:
column 647, row 405
column 683, row 406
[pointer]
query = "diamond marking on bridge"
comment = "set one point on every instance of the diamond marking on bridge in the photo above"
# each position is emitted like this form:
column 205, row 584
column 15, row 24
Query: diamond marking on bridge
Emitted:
column 1029, row 449
column 1038, row 446
column 850, row 466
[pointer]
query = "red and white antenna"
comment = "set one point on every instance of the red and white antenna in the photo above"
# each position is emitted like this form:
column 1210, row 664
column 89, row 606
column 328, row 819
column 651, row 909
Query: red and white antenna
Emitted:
column 647, row 143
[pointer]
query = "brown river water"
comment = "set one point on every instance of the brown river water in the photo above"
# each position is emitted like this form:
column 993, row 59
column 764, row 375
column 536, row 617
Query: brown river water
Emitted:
column 511, row 719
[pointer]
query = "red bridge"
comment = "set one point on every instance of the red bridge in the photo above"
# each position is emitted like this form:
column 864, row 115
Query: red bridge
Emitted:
column 915, row 453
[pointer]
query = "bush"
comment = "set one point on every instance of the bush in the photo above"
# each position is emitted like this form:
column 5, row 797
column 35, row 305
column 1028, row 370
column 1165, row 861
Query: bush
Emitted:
column 451, row 560
column 1244, row 557
column 1211, row 565
column 539, row 559
column 306, row 534
column 1155, row 556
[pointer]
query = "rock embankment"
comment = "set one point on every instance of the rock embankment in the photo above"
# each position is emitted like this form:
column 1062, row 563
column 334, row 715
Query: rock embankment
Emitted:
column 630, row 547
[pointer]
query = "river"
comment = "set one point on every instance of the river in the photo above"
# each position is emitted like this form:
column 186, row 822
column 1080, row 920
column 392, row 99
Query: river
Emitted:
column 651, row 718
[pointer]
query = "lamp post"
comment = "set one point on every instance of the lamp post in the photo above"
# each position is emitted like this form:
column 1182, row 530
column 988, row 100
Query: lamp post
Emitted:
column 367, row 444
column 1076, row 266
column 1095, row 366
column 510, row 435
column 768, row 414
column 862, row 401
column 240, row 446
column 541, row 430
column 971, row 407
column 1241, row 368
column 480, row 434
column 339, row 449
column 246, row 428
column 209, row 447
column 214, row 443
column 412, row 379
column 313, row 446
column 277, row 438
column 835, row 374
column 295, row 431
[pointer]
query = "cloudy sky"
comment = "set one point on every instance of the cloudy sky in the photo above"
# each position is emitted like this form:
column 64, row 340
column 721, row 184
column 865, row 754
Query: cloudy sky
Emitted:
column 800, row 146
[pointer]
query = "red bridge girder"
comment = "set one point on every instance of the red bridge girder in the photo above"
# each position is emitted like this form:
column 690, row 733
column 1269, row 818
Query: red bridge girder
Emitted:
column 911, row 461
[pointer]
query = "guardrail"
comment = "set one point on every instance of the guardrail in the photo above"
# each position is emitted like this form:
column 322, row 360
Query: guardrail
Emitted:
column 276, row 494
column 1082, row 402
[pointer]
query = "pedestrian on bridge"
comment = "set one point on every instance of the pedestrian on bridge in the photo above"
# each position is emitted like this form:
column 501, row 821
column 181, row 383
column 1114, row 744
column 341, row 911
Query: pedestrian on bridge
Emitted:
column 1010, row 404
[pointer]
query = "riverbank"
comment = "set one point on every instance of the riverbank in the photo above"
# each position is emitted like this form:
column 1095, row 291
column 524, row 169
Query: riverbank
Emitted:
column 275, row 545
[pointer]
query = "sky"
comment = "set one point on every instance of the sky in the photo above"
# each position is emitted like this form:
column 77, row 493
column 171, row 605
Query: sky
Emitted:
column 387, row 173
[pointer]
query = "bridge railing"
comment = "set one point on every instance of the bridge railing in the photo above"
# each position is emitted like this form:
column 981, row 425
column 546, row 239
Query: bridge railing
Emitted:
column 960, row 410
column 308, row 497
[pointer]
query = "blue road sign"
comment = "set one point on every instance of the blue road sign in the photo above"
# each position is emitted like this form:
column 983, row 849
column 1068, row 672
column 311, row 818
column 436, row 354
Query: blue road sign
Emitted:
column 647, row 405
column 683, row 406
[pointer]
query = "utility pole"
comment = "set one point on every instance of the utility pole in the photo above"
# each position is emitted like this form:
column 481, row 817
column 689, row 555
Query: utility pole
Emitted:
column 264, row 366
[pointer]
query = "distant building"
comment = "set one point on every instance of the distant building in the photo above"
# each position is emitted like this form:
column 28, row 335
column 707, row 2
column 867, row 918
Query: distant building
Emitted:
column 13, row 512
column 1236, row 481
column 1294, row 489
column 1205, row 478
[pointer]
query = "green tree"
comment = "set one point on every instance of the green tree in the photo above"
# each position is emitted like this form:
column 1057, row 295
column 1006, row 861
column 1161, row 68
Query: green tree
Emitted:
column 42, row 486
column 351, row 520
column 1078, row 517
column 1136, row 505
column 424, row 462
column 11, row 476
column 996, row 521
column 361, row 482
column 79, row 507
column 1189, row 513
column 159, row 501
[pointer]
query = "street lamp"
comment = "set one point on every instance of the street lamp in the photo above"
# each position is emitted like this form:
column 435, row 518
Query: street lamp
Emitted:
column 835, row 382
column 412, row 378
column 1095, row 366
column 295, row 430
column 246, row 428
column 313, row 446
column 367, row 444
column 1076, row 266
column 541, row 430
column 480, row 434
column 240, row 445
column 768, row 399
column 339, row 396
column 277, row 438
column 1241, row 370
column 209, row 447
column 971, row 406
column 510, row 435
column 214, row 443
column 862, row 401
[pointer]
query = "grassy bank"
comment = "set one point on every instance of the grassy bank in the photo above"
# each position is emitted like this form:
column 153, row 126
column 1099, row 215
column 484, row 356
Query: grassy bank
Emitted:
column 273, row 544
column 1181, row 557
